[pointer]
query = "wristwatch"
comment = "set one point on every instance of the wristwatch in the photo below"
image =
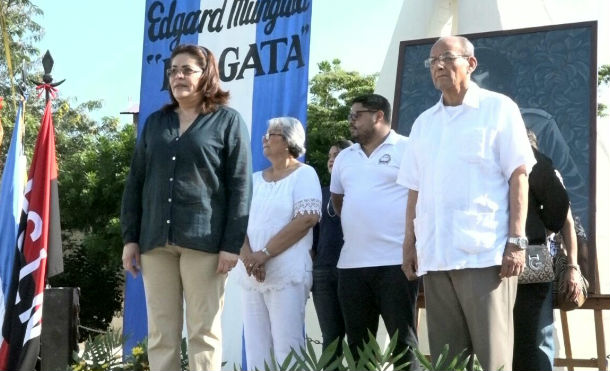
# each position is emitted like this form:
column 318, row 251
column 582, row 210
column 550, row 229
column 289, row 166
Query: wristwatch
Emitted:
column 521, row 242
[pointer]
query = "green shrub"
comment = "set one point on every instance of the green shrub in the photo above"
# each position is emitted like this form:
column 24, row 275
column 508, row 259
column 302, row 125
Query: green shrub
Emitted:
column 370, row 358
column 103, row 353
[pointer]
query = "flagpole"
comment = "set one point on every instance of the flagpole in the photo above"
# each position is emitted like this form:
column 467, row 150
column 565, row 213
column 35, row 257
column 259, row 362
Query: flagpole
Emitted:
column 47, row 80
column 59, row 335
column 55, row 258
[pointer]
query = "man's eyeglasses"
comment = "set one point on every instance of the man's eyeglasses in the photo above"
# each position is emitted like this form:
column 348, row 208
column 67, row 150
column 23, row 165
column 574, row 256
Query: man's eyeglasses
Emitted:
column 445, row 58
column 186, row 71
column 269, row 135
column 353, row 116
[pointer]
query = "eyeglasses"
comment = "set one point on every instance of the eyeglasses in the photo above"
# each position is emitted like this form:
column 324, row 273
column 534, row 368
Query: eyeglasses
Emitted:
column 353, row 116
column 269, row 135
column 445, row 58
column 186, row 71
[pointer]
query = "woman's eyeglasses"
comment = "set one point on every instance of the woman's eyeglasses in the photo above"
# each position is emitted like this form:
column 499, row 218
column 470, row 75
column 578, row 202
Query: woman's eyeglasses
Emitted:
column 269, row 135
column 186, row 71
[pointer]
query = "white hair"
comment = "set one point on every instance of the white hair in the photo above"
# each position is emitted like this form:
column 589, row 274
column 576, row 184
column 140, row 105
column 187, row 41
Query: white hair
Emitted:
column 467, row 47
column 293, row 133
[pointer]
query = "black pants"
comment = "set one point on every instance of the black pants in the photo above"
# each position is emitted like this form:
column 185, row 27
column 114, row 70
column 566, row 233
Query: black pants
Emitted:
column 367, row 293
column 533, row 322
column 328, row 310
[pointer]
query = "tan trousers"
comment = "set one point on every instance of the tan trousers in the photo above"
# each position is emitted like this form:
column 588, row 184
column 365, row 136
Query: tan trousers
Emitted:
column 471, row 309
column 171, row 274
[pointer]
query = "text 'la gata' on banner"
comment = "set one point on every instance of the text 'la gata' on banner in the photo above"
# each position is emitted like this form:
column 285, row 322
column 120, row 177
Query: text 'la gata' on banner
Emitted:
column 231, row 68
column 266, row 57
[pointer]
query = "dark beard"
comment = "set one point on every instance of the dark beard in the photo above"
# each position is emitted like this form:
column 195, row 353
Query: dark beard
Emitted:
column 362, row 138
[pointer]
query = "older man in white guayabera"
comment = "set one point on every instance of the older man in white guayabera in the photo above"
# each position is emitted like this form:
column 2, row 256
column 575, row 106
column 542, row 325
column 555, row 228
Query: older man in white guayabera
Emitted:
column 466, row 167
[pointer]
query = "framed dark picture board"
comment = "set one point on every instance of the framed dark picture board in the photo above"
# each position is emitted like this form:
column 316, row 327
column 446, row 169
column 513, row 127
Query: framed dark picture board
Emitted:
column 551, row 73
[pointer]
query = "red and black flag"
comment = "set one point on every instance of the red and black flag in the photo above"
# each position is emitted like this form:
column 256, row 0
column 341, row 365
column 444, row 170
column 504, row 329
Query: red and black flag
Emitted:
column 38, row 236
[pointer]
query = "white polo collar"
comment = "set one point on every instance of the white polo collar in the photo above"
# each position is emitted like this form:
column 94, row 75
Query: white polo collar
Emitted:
column 472, row 97
column 391, row 139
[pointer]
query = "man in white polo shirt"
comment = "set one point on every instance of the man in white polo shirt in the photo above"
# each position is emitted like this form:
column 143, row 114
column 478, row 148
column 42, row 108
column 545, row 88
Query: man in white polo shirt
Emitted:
column 466, row 167
column 371, row 204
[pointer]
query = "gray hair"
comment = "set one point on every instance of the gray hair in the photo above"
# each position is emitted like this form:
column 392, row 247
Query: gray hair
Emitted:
column 293, row 133
column 467, row 47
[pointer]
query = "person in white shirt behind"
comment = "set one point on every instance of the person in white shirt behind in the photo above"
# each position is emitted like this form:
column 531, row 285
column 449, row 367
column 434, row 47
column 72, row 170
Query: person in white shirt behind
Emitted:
column 466, row 167
column 371, row 205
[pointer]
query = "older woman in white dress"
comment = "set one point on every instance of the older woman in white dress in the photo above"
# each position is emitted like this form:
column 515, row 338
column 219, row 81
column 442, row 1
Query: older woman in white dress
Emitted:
column 276, row 267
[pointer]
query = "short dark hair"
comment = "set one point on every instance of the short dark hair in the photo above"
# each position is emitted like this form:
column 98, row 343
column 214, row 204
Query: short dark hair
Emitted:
column 376, row 102
column 212, row 95
column 342, row 143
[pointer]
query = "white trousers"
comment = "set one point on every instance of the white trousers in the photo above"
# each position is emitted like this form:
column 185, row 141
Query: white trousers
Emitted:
column 274, row 320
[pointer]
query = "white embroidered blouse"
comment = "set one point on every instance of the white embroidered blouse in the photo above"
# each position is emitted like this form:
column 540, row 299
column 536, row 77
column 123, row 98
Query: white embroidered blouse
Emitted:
column 274, row 205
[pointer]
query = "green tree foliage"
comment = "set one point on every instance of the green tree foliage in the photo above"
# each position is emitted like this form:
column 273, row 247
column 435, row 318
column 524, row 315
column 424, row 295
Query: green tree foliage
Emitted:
column 22, row 29
column 603, row 78
column 22, row 32
column 94, row 161
column 604, row 74
column 332, row 90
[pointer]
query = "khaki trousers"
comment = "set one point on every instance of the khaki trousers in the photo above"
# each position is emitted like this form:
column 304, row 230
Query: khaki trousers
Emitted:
column 171, row 275
column 472, row 310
